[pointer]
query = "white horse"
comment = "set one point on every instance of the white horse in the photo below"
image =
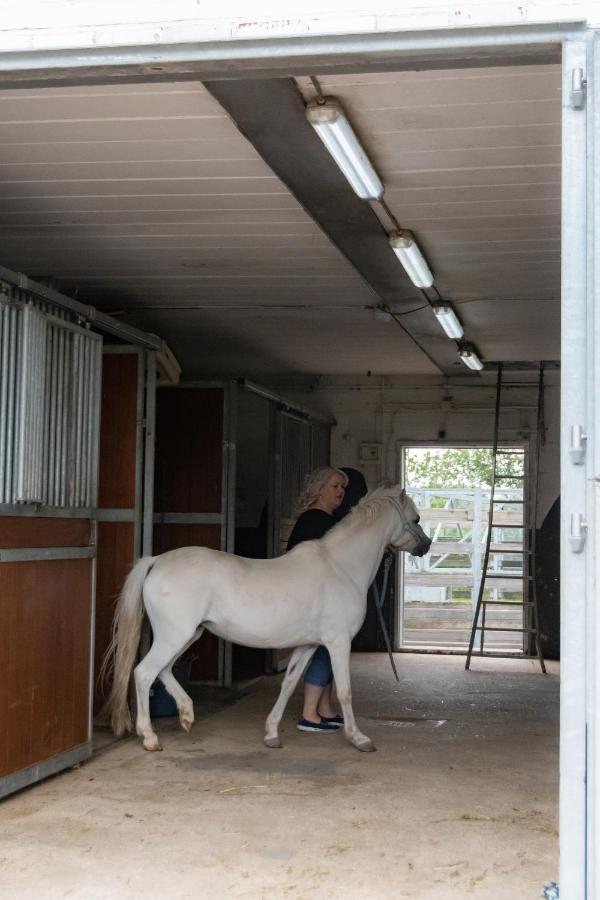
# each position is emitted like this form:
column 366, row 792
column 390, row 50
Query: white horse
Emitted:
column 315, row 594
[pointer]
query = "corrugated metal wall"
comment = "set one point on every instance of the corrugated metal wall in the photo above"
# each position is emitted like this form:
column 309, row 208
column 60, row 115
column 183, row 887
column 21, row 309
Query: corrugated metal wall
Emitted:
column 50, row 371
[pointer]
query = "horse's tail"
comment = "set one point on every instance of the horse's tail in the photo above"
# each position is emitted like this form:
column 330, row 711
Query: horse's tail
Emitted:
column 121, row 652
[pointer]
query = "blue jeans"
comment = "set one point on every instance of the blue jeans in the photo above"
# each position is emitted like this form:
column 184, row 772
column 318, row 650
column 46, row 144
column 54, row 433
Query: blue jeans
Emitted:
column 319, row 671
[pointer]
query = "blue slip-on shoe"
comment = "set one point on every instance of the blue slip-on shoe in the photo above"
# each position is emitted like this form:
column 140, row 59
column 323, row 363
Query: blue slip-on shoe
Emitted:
column 336, row 721
column 321, row 727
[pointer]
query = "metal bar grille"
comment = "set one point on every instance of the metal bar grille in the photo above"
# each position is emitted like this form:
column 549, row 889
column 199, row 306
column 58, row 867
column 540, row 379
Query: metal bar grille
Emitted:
column 320, row 446
column 296, row 461
column 50, row 370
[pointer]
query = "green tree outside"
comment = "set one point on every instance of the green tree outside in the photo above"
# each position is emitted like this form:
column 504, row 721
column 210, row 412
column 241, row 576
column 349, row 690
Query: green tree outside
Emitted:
column 460, row 468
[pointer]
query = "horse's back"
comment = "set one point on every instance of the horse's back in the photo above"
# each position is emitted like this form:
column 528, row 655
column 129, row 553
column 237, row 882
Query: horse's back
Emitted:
column 185, row 563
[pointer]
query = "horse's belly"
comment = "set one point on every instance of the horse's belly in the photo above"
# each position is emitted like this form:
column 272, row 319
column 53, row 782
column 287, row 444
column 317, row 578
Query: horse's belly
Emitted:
column 264, row 631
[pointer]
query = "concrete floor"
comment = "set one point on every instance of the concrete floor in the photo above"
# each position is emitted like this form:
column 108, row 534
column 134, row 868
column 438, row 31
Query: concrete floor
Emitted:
column 460, row 800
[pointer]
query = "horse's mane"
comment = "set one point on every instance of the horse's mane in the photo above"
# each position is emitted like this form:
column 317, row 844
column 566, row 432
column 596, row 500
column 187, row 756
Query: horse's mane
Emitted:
column 368, row 509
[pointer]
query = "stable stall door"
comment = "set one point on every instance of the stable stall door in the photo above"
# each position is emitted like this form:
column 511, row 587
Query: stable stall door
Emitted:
column 190, row 507
column 253, row 507
column 124, row 433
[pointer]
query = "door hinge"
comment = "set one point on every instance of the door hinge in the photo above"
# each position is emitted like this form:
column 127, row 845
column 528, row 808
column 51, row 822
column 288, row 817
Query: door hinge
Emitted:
column 578, row 532
column 578, row 89
column 578, row 445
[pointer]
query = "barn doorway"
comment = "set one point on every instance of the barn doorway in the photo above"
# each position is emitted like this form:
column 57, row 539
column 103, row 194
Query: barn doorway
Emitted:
column 438, row 592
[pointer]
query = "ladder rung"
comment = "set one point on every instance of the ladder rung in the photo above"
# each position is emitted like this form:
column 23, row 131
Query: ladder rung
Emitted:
column 507, row 575
column 500, row 655
column 498, row 548
column 494, row 628
column 525, row 604
column 504, row 525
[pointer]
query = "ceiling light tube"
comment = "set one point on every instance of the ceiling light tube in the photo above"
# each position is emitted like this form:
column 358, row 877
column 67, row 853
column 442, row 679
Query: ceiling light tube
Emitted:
column 407, row 250
column 327, row 118
column 470, row 358
column 448, row 320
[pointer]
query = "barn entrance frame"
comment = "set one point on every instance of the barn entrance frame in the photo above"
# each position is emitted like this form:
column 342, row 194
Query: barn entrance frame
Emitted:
column 580, row 448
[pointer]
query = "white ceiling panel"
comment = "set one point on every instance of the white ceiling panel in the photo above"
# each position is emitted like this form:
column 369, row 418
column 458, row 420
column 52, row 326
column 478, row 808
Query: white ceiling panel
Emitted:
column 147, row 201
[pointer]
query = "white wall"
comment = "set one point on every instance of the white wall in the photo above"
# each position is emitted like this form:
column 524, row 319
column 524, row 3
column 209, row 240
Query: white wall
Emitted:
column 389, row 411
column 63, row 24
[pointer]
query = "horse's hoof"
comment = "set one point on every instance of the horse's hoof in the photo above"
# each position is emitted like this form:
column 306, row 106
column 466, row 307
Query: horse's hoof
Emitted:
column 152, row 743
column 186, row 724
column 366, row 747
column 273, row 742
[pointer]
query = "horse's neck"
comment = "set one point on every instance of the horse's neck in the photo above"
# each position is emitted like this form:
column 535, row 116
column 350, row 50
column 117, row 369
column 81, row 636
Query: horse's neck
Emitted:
column 359, row 548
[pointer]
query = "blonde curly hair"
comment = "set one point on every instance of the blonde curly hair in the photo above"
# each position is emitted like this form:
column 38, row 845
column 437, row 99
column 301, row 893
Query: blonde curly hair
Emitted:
column 314, row 483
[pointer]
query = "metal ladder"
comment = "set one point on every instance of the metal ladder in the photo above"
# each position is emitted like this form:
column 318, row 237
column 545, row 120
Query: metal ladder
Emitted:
column 529, row 603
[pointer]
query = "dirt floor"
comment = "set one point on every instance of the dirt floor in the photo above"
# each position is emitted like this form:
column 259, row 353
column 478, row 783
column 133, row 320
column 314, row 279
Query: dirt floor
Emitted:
column 459, row 801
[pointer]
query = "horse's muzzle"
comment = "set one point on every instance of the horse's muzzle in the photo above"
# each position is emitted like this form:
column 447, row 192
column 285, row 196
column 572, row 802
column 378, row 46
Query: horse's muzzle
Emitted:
column 422, row 548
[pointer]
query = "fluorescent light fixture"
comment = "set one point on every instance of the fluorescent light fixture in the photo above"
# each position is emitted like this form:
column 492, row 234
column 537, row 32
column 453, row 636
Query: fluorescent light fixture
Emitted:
column 470, row 358
column 448, row 320
column 327, row 118
column 407, row 250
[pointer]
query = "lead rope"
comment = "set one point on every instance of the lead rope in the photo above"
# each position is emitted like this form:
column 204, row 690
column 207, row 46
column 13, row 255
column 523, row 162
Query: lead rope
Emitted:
column 379, row 600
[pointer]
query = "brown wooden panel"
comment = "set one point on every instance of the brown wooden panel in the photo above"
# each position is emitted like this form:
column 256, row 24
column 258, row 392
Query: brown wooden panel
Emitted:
column 204, row 654
column 22, row 531
column 114, row 560
column 45, row 610
column 118, row 431
column 169, row 537
column 189, row 450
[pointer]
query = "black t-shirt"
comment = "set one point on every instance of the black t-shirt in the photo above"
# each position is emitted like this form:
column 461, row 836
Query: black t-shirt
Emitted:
column 311, row 525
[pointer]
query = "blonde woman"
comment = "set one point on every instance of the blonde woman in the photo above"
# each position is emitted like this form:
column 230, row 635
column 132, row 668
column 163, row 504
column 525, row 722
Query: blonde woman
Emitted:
column 322, row 495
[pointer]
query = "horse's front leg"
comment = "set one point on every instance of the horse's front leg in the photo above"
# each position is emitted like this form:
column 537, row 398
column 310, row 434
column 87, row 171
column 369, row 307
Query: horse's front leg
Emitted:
column 297, row 664
column 339, row 650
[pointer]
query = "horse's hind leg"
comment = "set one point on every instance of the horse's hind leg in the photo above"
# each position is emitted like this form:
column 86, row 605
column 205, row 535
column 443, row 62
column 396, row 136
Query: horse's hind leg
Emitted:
column 185, row 706
column 160, row 656
column 296, row 666
column 339, row 651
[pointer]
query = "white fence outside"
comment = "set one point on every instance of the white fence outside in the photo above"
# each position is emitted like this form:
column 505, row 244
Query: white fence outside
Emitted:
column 438, row 586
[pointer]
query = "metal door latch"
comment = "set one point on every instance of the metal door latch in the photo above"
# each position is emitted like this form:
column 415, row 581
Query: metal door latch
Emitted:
column 578, row 89
column 578, row 445
column 578, row 532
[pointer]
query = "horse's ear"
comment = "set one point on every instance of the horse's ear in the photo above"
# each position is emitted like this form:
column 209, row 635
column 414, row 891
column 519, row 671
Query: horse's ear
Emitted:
column 402, row 495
